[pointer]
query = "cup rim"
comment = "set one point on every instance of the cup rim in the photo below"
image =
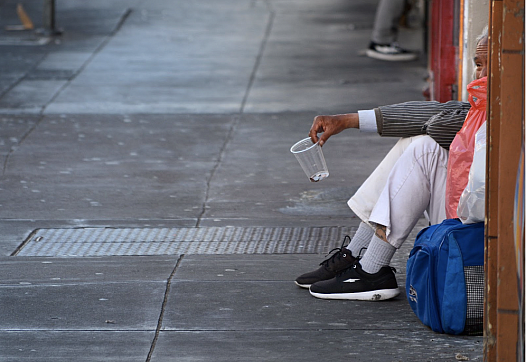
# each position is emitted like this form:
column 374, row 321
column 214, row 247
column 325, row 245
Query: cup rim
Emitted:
column 305, row 149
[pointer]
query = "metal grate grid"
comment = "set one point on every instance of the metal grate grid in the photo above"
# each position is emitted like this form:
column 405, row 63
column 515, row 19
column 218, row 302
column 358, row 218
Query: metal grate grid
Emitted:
column 171, row 241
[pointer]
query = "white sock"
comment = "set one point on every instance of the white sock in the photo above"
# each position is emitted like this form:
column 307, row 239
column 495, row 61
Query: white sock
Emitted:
column 378, row 254
column 361, row 239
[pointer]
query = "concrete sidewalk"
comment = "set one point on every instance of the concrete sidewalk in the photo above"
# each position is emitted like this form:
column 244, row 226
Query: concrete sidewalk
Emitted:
column 150, row 208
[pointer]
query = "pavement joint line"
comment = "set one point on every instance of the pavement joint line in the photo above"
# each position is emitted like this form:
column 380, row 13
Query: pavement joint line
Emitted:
column 63, row 330
column 97, row 50
column 201, row 330
column 69, row 284
column 283, row 329
column 19, row 143
column 222, row 152
column 268, row 29
column 163, row 308
column 25, row 242
column 21, row 79
column 64, row 86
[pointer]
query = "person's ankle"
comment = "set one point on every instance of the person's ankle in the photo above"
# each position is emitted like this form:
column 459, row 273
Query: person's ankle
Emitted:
column 378, row 254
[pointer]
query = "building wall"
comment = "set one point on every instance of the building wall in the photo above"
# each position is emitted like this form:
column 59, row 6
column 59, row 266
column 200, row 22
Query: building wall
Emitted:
column 474, row 18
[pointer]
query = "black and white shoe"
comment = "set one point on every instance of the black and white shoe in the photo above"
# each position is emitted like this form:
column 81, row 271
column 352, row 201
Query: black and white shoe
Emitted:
column 390, row 52
column 329, row 268
column 355, row 284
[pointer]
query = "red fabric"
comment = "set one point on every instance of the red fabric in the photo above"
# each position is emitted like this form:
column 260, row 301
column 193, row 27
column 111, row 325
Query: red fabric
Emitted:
column 463, row 145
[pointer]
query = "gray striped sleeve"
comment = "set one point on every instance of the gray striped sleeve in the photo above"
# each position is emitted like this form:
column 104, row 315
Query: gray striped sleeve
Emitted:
column 444, row 126
column 408, row 119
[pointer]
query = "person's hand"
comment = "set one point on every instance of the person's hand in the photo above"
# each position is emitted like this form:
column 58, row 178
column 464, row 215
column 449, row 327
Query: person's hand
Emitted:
column 331, row 125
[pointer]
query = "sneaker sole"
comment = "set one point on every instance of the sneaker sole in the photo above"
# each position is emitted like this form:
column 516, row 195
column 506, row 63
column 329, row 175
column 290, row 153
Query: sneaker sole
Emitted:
column 374, row 295
column 306, row 286
column 389, row 57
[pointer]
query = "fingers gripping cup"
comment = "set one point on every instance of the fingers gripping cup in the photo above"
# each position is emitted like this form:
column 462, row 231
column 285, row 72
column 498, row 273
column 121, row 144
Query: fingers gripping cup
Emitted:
column 310, row 157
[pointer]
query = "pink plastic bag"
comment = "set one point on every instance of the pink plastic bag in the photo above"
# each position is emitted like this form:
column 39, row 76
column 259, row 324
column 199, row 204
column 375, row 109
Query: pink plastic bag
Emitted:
column 463, row 145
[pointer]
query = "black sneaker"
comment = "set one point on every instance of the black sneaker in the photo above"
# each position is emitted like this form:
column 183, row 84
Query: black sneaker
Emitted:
column 355, row 284
column 329, row 268
column 390, row 52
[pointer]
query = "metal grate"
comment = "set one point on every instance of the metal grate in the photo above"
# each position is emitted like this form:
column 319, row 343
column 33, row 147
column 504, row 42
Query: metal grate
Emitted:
column 170, row 241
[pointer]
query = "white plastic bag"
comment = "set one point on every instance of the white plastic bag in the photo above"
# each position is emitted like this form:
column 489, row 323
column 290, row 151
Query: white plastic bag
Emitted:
column 471, row 205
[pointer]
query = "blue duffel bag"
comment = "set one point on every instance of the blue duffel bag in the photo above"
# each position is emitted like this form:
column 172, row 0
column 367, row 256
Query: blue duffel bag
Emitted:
column 445, row 277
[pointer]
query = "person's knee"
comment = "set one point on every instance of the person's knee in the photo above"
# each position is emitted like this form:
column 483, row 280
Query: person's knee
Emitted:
column 424, row 145
column 426, row 142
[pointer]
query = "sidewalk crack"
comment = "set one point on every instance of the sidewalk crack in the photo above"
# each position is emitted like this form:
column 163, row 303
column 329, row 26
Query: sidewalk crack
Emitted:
column 163, row 308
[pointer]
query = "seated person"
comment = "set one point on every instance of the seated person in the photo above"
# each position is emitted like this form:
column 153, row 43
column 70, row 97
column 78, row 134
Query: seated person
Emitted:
column 410, row 180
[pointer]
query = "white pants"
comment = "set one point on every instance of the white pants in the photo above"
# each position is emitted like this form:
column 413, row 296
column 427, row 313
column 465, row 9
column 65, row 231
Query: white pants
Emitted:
column 411, row 179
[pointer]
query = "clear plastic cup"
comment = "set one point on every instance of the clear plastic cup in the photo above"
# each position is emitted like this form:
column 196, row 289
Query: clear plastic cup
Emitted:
column 310, row 157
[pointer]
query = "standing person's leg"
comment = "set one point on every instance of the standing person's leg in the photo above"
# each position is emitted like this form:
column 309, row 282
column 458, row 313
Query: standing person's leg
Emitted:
column 385, row 32
column 416, row 183
column 362, row 204
column 388, row 14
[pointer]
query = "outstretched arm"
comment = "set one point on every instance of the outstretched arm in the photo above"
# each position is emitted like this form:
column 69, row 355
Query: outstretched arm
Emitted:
column 408, row 119
column 331, row 125
column 440, row 120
